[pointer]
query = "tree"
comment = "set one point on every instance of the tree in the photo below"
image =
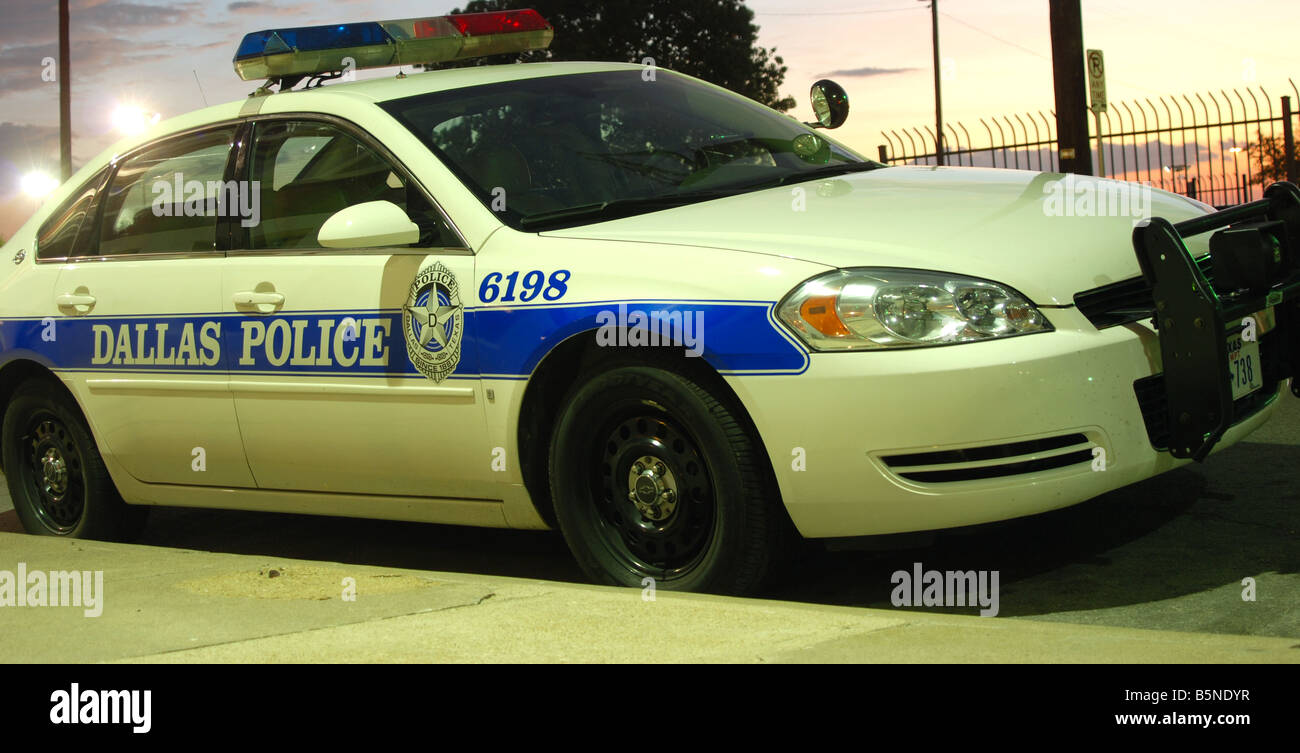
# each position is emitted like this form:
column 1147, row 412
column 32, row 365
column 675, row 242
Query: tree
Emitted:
column 715, row 40
column 1269, row 154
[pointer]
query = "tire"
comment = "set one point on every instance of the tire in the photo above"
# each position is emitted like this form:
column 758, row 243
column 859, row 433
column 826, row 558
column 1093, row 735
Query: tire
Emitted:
column 721, row 530
column 57, row 479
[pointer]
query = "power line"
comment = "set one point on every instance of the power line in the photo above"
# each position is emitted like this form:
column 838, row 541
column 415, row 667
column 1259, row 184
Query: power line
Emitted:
column 832, row 12
column 1022, row 48
column 951, row 17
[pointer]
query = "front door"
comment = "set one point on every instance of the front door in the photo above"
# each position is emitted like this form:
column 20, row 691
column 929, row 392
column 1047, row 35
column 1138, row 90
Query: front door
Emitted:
column 350, row 367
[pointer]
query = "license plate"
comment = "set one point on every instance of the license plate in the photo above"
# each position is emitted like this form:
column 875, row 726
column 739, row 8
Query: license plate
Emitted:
column 1244, row 369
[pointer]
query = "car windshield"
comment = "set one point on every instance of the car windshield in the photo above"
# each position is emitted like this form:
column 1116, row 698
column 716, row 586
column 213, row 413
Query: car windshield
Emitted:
column 559, row 151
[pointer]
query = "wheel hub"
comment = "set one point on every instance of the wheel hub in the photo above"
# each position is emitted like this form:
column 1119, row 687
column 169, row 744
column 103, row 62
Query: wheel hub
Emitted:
column 55, row 472
column 652, row 488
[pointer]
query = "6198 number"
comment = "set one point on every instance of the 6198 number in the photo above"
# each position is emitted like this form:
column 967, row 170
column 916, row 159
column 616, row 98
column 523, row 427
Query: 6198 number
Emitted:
column 534, row 283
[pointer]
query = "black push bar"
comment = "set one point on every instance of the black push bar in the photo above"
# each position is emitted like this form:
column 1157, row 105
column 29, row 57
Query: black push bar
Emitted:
column 1255, row 263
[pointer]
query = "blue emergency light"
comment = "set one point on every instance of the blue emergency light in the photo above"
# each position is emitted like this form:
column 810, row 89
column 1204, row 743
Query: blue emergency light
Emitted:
column 316, row 50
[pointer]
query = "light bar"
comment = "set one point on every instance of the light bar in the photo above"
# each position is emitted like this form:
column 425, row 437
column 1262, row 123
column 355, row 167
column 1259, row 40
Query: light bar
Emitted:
column 310, row 50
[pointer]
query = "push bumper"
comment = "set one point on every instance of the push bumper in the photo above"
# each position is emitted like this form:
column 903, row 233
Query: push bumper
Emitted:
column 1255, row 255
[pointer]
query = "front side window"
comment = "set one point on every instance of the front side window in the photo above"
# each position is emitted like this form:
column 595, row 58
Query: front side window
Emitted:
column 167, row 198
column 564, row 150
column 58, row 237
column 305, row 171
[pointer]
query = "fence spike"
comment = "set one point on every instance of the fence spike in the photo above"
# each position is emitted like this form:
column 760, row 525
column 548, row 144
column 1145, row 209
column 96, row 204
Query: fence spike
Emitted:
column 993, row 155
column 1038, row 142
column 1001, row 137
column 1223, row 160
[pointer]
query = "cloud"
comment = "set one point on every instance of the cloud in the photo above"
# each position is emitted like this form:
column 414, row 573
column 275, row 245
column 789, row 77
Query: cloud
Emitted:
column 38, row 143
column 29, row 22
column 866, row 71
column 21, row 66
column 305, row 10
column 116, row 16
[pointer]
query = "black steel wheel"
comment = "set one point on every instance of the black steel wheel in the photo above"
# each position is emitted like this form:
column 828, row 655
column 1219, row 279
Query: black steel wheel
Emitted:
column 56, row 476
column 653, row 477
column 653, row 492
column 53, row 472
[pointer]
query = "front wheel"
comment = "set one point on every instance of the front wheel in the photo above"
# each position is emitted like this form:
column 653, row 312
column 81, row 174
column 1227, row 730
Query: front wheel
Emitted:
column 653, row 477
column 57, row 479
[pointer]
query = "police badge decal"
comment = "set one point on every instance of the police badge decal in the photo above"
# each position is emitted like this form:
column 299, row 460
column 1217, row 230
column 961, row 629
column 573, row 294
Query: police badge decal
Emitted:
column 433, row 321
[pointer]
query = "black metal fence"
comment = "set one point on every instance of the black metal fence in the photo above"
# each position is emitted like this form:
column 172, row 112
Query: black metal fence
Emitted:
column 1207, row 146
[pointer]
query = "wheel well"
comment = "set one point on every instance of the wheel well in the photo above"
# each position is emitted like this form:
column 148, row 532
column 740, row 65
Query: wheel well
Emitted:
column 572, row 363
column 15, row 373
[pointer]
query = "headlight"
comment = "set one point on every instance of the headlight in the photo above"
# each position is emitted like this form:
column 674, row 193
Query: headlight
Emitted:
column 869, row 309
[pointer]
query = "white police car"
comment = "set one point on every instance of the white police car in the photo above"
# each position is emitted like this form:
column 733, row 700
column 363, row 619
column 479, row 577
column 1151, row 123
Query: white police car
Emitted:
column 677, row 325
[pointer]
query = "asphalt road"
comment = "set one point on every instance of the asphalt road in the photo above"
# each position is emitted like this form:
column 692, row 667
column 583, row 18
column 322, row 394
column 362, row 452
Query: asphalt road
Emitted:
column 1169, row 553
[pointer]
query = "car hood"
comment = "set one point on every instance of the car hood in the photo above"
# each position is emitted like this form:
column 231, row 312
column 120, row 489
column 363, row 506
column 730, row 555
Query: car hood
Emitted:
column 1048, row 235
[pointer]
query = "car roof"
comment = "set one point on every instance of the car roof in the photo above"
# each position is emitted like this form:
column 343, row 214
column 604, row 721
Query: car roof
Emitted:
column 391, row 87
column 371, row 90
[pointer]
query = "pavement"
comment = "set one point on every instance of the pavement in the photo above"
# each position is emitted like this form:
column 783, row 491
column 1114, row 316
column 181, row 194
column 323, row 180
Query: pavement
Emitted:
column 1150, row 573
column 164, row 605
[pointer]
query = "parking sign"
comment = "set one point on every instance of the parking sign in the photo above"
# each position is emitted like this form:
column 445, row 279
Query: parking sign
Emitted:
column 1097, row 80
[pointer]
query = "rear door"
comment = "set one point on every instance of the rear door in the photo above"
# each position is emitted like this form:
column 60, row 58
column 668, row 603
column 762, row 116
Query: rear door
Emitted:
column 340, row 382
column 140, row 327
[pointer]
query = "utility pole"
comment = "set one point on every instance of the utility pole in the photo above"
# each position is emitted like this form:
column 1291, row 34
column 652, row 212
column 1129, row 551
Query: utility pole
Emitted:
column 1069, row 74
column 65, row 95
column 938, row 95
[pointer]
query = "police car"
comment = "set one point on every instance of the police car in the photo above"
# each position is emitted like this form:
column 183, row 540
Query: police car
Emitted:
column 680, row 327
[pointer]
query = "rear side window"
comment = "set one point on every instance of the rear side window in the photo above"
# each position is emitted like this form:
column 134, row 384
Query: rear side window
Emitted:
column 57, row 238
column 306, row 171
column 167, row 198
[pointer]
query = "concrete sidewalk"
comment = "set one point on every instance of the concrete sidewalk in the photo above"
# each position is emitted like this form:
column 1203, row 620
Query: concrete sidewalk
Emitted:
column 169, row 605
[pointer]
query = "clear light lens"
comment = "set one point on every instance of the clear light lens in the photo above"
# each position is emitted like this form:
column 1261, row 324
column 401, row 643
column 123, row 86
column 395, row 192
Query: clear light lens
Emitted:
column 869, row 309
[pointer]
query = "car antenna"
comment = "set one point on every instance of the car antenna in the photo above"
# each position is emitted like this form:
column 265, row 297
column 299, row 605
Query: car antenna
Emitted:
column 202, row 96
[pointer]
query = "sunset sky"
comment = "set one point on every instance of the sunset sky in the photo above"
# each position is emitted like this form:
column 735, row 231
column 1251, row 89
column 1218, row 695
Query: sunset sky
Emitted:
column 169, row 57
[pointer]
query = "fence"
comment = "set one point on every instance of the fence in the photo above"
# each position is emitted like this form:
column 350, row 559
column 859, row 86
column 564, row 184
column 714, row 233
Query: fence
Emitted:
column 1140, row 143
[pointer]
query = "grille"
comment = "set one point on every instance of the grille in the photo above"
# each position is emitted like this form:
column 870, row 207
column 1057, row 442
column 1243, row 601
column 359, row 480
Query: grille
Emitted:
column 992, row 461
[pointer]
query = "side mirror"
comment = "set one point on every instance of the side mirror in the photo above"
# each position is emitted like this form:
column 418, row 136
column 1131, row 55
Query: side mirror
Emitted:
column 830, row 103
column 369, row 225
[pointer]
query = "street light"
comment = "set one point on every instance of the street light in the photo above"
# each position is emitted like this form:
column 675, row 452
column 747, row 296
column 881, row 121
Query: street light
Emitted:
column 130, row 119
column 38, row 185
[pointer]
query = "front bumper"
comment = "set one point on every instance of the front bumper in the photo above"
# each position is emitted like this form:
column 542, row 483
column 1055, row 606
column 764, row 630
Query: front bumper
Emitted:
column 844, row 437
